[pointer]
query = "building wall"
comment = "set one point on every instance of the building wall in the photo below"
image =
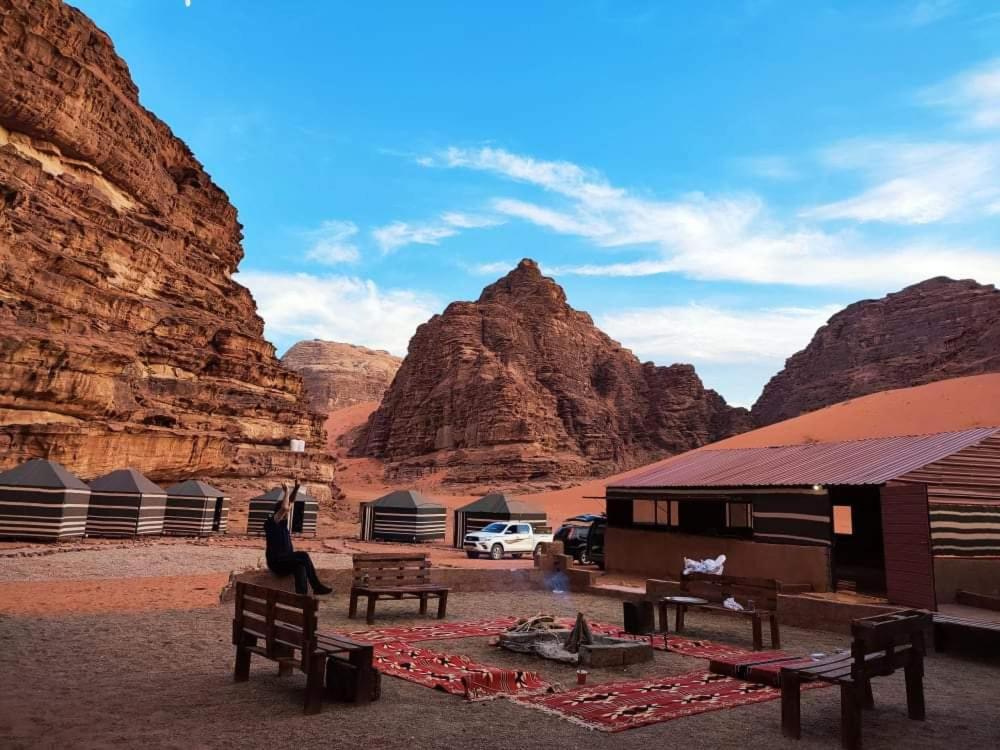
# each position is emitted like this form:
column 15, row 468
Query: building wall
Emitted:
column 980, row 576
column 657, row 554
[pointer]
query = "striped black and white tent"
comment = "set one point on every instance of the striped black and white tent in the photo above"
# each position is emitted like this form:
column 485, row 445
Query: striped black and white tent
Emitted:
column 42, row 501
column 495, row 507
column 303, row 516
column 195, row 509
column 403, row 516
column 123, row 504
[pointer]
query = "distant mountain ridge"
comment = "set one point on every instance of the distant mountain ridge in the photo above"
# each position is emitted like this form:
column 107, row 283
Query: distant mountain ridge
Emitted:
column 934, row 330
column 338, row 375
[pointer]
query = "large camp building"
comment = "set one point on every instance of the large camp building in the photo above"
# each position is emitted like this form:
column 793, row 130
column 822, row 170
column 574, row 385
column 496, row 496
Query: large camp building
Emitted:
column 403, row 516
column 41, row 500
column 124, row 503
column 910, row 518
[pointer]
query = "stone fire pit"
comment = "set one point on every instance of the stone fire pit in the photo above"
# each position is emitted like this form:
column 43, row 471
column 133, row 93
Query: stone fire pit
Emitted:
column 540, row 635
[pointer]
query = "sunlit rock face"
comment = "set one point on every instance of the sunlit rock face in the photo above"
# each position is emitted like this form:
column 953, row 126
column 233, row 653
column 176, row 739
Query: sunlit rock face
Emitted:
column 520, row 387
column 934, row 330
column 337, row 375
column 124, row 340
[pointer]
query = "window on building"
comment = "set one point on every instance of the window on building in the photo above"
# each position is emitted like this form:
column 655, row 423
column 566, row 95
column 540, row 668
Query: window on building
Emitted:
column 644, row 512
column 843, row 521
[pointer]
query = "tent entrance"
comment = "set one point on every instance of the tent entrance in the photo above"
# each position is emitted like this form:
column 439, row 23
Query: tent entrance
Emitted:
column 217, row 515
column 858, row 548
column 298, row 516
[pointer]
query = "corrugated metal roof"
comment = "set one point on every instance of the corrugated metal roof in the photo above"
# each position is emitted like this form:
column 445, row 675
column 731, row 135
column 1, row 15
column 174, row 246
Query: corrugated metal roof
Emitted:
column 871, row 461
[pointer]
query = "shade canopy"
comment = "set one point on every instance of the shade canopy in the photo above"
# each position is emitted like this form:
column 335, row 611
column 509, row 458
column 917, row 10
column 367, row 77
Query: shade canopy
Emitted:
column 126, row 480
column 194, row 488
column 499, row 503
column 405, row 500
column 41, row 473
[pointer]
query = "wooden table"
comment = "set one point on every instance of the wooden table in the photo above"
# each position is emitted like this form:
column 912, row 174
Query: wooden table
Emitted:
column 680, row 603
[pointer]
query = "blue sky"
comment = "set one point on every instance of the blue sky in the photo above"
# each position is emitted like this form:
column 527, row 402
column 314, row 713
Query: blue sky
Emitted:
column 710, row 181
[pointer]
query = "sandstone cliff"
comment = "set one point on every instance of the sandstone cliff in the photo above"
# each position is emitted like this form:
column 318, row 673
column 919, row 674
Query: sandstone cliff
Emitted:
column 336, row 375
column 123, row 339
column 937, row 329
column 519, row 387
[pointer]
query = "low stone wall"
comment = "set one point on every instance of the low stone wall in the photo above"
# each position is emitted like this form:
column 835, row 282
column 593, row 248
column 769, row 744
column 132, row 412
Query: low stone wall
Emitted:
column 658, row 554
column 815, row 613
column 457, row 579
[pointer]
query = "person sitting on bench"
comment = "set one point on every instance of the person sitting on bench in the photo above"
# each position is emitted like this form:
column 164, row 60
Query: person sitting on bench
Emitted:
column 282, row 559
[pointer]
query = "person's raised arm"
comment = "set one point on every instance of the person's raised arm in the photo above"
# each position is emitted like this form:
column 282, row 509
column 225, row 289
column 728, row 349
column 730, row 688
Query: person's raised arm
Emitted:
column 282, row 512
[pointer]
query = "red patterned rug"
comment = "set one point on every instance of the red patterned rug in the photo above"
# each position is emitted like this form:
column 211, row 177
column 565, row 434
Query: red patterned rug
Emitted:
column 443, row 630
column 616, row 707
column 458, row 675
column 697, row 647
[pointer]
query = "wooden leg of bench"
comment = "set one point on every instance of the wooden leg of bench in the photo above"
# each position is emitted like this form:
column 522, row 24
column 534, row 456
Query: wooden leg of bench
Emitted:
column 850, row 715
column 423, row 604
column 241, row 673
column 370, row 611
column 661, row 609
column 758, row 636
column 914, row 674
column 352, row 609
column 314, row 685
column 679, row 618
column 365, row 675
column 775, row 632
column 791, row 705
column 442, row 604
column 868, row 696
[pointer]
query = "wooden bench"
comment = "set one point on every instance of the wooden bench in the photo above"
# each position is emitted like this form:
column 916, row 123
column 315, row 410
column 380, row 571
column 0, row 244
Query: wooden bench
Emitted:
column 880, row 645
column 394, row 576
column 761, row 592
column 287, row 623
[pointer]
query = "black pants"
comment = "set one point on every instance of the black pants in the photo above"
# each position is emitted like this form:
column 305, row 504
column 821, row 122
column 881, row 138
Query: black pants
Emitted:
column 298, row 564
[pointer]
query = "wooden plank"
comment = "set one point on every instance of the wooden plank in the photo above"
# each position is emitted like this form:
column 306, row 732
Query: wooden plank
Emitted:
column 909, row 564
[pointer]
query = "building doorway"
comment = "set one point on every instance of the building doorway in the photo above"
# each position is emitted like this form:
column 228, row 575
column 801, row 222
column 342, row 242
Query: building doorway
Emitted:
column 858, row 554
column 217, row 515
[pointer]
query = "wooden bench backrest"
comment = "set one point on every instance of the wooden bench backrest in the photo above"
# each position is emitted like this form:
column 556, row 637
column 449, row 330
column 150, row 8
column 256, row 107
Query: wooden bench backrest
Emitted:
column 876, row 641
column 762, row 591
column 391, row 570
column 285, row 621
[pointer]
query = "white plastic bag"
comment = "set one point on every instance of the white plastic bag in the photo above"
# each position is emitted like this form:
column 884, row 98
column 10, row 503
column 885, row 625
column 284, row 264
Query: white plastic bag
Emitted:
column 732, row 604
column 708, row 565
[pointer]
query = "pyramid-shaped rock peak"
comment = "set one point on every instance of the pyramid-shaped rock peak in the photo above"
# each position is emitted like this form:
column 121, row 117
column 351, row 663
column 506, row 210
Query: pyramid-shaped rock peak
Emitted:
column 518, row 387
column 934, row 330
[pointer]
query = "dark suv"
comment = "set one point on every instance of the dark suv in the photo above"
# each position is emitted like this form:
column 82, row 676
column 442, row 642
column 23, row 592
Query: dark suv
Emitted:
column 573, row 535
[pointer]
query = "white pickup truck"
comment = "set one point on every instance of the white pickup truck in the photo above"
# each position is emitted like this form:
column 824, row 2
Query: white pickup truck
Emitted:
column 500, row 538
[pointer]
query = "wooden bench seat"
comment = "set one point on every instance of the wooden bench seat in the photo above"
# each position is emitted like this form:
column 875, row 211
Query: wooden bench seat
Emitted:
column 948, row 629
column 286, row 623
column 394, row 576
column 880, row 645
column 758, row 596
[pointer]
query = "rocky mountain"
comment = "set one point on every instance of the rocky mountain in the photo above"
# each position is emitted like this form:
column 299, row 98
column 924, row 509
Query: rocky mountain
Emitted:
column 124, row 340
column 520, row 387
column 934, row 330
column 338, row 375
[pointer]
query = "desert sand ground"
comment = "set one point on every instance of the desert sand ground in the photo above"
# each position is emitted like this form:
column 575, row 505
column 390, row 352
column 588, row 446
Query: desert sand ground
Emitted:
column 148, row 663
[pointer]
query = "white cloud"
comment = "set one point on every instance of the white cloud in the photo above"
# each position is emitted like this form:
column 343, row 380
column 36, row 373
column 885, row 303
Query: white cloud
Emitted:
column 399, row 233
column 927, row 12
column 331, row 243
column 973, row 95
column 770, row 167
column 337, row 308
column 495, row 268
column 915, row 183
column 700, row 333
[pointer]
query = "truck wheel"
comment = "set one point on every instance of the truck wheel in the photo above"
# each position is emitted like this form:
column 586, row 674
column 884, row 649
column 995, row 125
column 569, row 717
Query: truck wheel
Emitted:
column 496, row 552
column 584, row 558
column 537, row 551
column 472, row 555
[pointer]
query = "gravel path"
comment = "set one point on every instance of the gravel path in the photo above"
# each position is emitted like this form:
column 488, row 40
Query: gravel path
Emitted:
column 145, row 560
column 163, row 680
